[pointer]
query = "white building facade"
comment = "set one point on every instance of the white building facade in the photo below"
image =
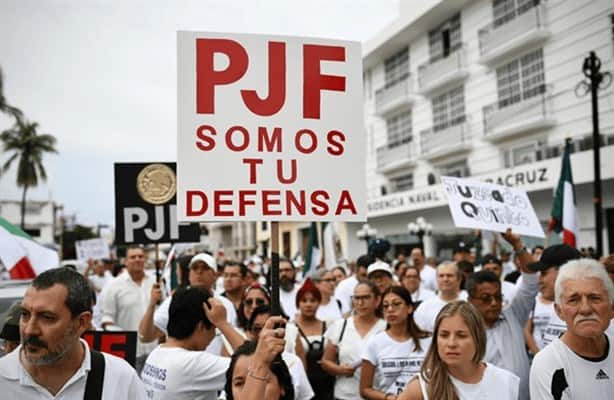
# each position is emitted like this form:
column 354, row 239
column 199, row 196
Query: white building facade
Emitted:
column 486, row 89
column 41, row 218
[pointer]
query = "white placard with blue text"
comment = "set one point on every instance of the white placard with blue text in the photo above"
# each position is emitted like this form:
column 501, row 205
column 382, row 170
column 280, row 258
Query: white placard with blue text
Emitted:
column 480, row 205
column 95, row 249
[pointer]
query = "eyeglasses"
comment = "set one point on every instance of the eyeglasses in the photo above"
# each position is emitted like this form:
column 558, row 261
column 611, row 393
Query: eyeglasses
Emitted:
column 250, row 302
column 395, row 305
column 487, row 298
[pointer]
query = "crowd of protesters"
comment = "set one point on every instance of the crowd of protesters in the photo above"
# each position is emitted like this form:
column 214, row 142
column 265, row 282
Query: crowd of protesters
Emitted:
column 526, row 324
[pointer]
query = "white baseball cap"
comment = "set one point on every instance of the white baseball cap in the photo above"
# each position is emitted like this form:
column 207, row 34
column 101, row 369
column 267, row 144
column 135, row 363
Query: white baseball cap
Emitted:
column 379, row 266
column 206, row 258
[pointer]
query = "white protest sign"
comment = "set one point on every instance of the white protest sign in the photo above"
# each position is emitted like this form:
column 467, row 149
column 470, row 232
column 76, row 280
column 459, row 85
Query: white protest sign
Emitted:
column 95, row 249
column 480, row 205
column 269, row 128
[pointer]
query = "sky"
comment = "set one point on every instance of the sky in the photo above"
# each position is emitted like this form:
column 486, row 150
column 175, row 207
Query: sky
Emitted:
column 100, row 75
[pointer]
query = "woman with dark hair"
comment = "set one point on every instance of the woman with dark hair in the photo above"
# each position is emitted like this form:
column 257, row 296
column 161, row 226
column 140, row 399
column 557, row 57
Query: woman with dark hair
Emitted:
column 392, row 357
column 255, row 325
column 453, row 368
column 309, row 339
column 255, row 295
column 254, row 374
column 347, row 338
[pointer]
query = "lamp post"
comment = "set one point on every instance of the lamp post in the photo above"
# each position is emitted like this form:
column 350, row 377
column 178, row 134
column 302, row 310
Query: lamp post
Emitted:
column 420, row 228
column 366, row 233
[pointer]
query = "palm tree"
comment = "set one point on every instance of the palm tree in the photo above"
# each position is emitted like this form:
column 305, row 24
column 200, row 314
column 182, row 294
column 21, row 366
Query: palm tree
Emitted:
column 27, row 146
column 5, row 107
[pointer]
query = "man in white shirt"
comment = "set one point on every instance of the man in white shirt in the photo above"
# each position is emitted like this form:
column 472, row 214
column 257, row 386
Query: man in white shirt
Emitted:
column 52, row 361
column 548, row 266
column 97, row 275
column 411, row 281
column 180, row 369
column 428, row 274
column 287, row 287
column 202, row 274
column 579, row 364
column 448, row 281
column 381, row 275
column 126, row 298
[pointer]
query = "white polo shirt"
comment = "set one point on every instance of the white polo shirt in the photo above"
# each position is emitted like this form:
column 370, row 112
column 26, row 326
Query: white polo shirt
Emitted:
column 125, row 303
column 120, row 380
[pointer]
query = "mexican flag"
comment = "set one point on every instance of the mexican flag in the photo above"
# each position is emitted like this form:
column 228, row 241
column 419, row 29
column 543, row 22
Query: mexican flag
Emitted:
column 564, row 210
column 313, row 254
column 21, row 255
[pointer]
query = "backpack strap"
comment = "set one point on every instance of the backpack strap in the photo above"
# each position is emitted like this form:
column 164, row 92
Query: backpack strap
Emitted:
column 95, row 377
column 345, row 322
column 300, row 331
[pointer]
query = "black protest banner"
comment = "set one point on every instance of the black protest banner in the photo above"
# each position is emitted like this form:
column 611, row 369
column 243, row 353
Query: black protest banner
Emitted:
column 145, row 205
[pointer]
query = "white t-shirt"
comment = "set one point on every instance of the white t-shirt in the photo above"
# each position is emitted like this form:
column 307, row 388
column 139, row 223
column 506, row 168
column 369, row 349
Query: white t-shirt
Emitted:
column 348, row 352
column 508, row 289
column 329, row 312
column 428, row 278
column 288, row 301
column 496, row 383
column 99, row 282
column 555, row 328
column 558, row 373
column 344, row 292
column 395, row 362
column 426, row 313
column 541, row 317
column 422, row 294
column 176, row 373
column 215, row 347
column 120, row 380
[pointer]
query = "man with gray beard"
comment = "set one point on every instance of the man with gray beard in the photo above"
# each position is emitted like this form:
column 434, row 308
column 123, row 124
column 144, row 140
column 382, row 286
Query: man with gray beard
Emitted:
column 52, row 360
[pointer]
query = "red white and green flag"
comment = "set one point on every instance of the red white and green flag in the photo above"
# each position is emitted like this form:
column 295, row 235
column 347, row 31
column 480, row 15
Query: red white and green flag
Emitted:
column 564, row 209
column 313, row 255
column 23, row 257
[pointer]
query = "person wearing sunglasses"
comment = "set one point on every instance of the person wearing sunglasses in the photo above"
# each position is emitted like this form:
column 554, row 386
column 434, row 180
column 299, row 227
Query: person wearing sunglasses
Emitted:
column 256, row 324
column 392, row 357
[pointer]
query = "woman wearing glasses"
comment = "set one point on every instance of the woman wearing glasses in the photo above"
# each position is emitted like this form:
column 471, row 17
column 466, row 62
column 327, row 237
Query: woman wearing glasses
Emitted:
column 392, row 357
column 346, row 340
column 453, row 368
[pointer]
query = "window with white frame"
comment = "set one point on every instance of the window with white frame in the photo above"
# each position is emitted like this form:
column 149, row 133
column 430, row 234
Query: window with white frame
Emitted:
column 402, row 183
column 396, row 68
column 445, row 39
column 398, row 128
column 521, row 78
column 459, row 169
column 448, row 109
column 506, row 10
column 523, row 154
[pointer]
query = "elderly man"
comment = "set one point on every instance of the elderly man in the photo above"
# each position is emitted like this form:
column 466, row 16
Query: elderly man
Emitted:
column 448, row 281
column 126, row 298
column 579, row 364
column 505, row 346
column 52, row 361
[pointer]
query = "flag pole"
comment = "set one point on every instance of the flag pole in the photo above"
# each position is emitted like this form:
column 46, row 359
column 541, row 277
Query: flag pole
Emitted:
column 275, row 307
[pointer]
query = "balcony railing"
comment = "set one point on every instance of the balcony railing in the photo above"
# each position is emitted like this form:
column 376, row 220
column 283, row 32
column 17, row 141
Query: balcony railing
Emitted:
column 524, row 30
column 432, row 75
column 393, row 158
column 446, row 141
column 394, row 96
column 503, row 121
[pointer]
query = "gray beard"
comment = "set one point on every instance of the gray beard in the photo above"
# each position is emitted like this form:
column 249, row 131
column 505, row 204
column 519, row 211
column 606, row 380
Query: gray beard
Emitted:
column 53, row 357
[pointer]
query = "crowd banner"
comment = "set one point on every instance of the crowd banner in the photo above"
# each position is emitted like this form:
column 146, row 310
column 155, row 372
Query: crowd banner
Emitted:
column 145, row 205
column 481, row 205
column 269, row 128
column 119, row 343
column 95, row 249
